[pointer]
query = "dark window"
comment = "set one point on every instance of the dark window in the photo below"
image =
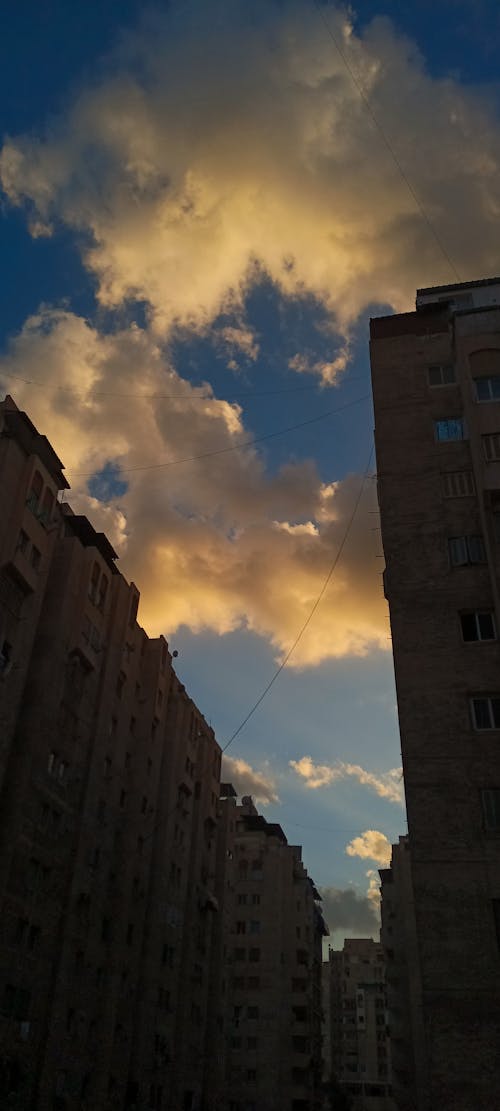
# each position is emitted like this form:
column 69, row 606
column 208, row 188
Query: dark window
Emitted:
column 479, row 625
column 458, row 484
column 239, row 954
column 94, row 583
column 486, row 712
column 22, row 542
column 254, row 955
column 35, row 491
column 490, row 802
column 496, row 916
column 252, row 1012
column 441, row 375
column 35, row 558
column 488, row 389
column 491, row 446
column 466, row 549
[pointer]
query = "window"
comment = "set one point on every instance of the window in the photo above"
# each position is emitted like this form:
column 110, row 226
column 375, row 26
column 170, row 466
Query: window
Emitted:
column 242, row 900
column 240, row 927
column 490, row 802
column 458, row 484
column 144, row 804
column 254, row 955
column 254, row 983
column 255, row 927
column 35, row 558
column 35, row 491
column 252, row 1012
column 466, row 549
column 251, row 1074
column 495, row 904
column 120, row 683
column 478, row 625
column 255, row 900
column 252, row 1042
column 488, row 389
column 453, row 428
column 22, row 542
column 491, row 446
column 94, row 583
column 441, row 375
column 486, row 712
column 47, row 506
column 239, row 954
column 103, row 590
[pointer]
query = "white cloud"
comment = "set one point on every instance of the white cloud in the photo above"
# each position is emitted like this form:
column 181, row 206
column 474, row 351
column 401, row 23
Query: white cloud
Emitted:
column 215, row 543
column 371, row 845
column 387, row 785
column 187, row 167
column 249, row 781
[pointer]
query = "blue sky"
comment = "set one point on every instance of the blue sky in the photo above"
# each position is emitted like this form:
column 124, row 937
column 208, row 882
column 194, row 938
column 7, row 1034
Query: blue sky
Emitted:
column 197, row 205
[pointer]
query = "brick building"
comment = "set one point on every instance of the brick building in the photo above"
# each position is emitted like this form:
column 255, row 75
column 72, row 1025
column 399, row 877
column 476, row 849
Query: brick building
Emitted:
column 436, row 386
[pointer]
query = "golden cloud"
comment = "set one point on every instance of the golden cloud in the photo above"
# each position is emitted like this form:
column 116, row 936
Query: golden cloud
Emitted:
column 257, row 148
column 371, row 845
column 388, row 785
column 249, row 781
column 214, row 543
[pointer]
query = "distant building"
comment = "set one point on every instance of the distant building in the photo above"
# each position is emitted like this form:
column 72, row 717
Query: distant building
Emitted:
column 404, row 984
column 359, row 1047
column 436, row 387
column 270, row 1012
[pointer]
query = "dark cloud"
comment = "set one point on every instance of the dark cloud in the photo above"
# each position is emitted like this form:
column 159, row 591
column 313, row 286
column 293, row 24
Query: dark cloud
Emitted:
column 345, row 909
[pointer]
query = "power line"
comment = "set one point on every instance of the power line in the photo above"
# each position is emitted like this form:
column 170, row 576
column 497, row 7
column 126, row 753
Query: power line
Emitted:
column 233, row 447
column 386, row 141
column 312, row 611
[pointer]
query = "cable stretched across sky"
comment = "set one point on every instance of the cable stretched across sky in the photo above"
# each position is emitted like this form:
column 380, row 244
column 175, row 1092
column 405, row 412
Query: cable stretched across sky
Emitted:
column 311, row 613
column 232, row 447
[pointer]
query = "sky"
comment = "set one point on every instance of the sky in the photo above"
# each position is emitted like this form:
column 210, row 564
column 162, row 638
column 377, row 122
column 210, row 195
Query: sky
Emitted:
column 202, row 205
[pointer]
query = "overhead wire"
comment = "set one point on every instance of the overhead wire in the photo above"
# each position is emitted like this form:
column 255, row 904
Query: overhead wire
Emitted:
column 232, row 447
column 312, row 611
column 376, row 122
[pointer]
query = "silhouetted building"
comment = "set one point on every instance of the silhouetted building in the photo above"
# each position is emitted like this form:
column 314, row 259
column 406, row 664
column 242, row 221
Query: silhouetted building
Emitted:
column 109, row 792
column 160, row 947
column 270, row 1010
column 404, row 984
column 436, row 385
column 359, row 1046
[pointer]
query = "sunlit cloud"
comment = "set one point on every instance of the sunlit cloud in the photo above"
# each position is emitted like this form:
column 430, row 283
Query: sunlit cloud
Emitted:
column 371, row 845
column 214, row 543
column 187, row 167
column 387, row 785
column 249, row 781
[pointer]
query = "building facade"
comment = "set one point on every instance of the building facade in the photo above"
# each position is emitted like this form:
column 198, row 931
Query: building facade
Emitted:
column 109, row 793
column 270, row 1011
column 359, row 1045
column 436, row 387
column 160, row 945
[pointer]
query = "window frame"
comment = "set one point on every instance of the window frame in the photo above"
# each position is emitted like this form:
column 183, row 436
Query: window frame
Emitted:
column 450, row 421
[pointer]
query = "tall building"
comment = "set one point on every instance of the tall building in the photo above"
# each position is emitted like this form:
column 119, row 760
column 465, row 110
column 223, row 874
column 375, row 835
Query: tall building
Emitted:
column 160, row 946
column 109, row 791
column 270, row 1010
column 359, row 1045
column 436, row 387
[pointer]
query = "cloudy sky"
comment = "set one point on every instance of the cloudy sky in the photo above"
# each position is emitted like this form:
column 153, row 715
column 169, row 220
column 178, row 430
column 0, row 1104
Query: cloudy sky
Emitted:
column 203, row 203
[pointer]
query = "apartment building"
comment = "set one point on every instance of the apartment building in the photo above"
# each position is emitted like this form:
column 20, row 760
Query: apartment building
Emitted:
column 436, row 387
column 403, row 979
column 109, row 792
column 270, row 1010
column 357, row 1003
